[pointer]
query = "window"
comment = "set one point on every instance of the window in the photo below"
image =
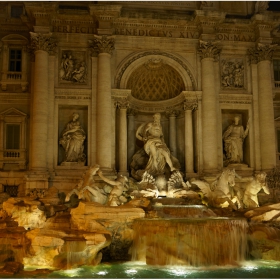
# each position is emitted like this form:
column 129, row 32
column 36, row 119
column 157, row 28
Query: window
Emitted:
column 276, row 68
column 12, row 136
column 13, row 152
column 15, row 60
column 16, row 11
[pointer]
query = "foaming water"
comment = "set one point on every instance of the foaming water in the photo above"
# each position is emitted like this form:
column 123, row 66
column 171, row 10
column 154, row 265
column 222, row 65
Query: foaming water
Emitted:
column 139, row 270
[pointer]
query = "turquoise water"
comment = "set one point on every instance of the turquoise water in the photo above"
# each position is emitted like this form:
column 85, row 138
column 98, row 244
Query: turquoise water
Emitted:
column 137, row 270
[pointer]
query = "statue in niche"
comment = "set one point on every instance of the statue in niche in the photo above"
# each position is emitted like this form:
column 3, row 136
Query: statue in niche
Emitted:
column 73, row 70
column 232, row 73
column 233, row 141
column 152, row 136
column 72, row 141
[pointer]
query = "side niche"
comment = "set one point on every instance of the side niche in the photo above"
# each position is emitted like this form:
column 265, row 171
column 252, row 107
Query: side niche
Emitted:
column 232, row 74
column 235, row 137
column 73, row 67
column 72, row 135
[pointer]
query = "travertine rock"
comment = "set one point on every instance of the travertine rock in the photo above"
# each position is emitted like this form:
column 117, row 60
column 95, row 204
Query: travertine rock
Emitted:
column 264, row 242
column 26, row 212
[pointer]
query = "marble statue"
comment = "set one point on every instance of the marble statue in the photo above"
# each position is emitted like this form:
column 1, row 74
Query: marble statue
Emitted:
column 248, row 191
column 72, row 141
column 233, row 140
column 152, row 136
column 116, row 197
column 87, row 190
column 220, row 193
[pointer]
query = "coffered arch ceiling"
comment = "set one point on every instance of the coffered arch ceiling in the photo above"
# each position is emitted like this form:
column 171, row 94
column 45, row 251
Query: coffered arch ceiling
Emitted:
column 154, row 81
column 155, row 77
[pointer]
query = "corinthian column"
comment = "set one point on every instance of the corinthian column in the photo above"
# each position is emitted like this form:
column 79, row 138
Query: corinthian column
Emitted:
column 189, row 106
column 209, row 105
column 266, row 112
column 42, row 45
column 131, row 134
column 172, row 131
column 104, row 45
column 122, row 106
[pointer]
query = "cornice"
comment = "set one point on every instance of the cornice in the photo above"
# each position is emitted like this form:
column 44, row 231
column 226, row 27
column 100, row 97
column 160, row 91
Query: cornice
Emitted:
column 59, row 91
column 13, row 97
column 234, row 98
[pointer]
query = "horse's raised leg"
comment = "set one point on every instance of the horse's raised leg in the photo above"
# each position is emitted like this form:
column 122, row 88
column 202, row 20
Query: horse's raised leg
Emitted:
column 67, row 198
column 235, row 199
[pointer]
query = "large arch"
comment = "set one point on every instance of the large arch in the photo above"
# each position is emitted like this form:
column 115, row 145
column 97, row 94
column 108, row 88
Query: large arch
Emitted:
column 135, row 60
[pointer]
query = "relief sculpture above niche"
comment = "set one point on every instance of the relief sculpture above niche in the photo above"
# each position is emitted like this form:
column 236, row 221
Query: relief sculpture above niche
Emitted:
column 73, row 67
column 232, row 73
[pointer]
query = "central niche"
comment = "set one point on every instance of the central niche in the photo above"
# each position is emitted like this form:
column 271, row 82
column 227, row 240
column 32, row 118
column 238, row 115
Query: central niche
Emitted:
column 155, row 81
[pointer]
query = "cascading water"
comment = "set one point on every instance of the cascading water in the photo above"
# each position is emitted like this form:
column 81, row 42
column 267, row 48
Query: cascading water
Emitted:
column 195, row 242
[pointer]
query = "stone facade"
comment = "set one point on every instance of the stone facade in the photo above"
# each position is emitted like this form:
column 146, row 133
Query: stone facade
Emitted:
column 117, row 63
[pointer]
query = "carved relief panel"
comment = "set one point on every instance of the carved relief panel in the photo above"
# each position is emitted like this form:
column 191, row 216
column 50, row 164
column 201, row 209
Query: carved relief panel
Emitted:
column 232, row 73
column 73, row 67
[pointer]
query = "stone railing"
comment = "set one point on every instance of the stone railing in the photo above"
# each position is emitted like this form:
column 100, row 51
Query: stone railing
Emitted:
column 14, row 76
column 11, row 153
column 277, row 84
column 13, row 156
column 9, row 78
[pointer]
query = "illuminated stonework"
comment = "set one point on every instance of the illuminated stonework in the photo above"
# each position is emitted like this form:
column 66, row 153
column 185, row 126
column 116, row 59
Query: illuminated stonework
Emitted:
column 154, row 81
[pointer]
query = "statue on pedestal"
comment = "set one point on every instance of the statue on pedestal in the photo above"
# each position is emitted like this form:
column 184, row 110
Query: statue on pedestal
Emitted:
column 72, row 141
column 233, row 141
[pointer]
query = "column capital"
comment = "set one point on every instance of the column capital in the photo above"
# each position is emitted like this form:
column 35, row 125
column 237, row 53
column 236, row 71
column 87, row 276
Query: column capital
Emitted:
column 44, row 42
column 102, row 44
column 190, row 104
column 261, row 52
column 172, row 113
column 122, row 104
column 209, row 50
column 131, row 112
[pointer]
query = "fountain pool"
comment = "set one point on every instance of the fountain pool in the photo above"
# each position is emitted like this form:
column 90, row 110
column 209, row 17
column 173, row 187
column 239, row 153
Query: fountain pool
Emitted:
column 139, row 270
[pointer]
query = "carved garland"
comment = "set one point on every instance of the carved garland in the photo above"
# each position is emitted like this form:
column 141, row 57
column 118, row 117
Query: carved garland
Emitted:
column 134, row 58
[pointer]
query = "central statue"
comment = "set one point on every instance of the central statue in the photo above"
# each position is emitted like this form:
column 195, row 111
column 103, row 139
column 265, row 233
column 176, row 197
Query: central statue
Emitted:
column 152, row 136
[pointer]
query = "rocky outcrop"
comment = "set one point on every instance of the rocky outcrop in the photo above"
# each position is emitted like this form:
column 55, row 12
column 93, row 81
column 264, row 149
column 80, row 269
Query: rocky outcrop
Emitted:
column 94, row 217
column 25, row 211
column 264, row 232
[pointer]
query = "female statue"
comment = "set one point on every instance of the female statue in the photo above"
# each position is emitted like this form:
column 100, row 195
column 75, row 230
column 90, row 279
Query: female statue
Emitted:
column 73, row 141
column 233, row 140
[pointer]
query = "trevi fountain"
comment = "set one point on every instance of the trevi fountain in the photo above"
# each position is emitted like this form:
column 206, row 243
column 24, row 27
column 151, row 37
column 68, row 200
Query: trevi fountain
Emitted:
column 153, row 221
column 139, row 139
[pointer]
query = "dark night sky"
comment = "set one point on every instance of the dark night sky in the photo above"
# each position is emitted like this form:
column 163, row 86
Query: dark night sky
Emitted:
column 274, row 6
